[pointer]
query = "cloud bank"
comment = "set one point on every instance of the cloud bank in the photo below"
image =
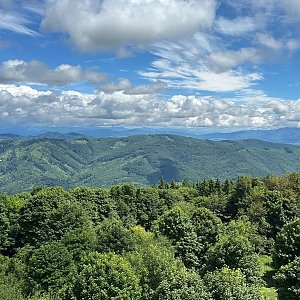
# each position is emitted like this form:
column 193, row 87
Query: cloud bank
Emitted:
column 25, row 105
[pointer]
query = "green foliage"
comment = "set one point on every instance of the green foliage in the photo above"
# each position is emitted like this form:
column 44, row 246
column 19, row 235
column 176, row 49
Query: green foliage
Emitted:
column 5, row 239
column 90, row 244
column 49, row 269
column 235, row 251
column 48, row 216
column 96, row 201
column 80, row 241
column 191, row 233
column 250, row 230
column 268, row 292
column 153, row 261
column 106, row 277
column 226, row 284
column 287, row 245
column 125, row 201
column 176, row 225
column 280, row 210
column 288, row 280
column 10, row 290
column 171, row 196
column 114, row 237
column 9, row 210
column 10, row 287
column 241, row 197
column 216, row 203
column 149, row 207
column 207, row 226
column 185, row 286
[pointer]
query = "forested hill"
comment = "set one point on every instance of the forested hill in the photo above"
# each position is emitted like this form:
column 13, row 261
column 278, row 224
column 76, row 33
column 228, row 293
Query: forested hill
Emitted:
column 139, row 159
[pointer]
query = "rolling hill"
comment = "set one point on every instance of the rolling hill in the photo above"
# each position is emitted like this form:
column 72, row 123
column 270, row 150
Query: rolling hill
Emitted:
column 139, row 159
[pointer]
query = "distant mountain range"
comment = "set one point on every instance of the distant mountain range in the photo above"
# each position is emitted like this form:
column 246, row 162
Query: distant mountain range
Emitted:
column 281, row 135
column 142, row 159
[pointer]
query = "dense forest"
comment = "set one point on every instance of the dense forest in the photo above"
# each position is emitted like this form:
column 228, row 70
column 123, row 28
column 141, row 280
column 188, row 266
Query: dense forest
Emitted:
column 208, row 240
column 142, row 160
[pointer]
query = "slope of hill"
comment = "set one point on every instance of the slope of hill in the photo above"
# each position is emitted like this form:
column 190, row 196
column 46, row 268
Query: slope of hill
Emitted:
column 9, row 136
column 138, row 159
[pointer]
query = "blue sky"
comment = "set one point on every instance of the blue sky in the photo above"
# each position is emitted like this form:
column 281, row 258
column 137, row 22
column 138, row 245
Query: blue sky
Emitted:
column 167, row 63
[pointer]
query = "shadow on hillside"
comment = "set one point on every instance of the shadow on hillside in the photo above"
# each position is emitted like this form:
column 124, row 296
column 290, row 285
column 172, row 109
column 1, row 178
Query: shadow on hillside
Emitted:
column 167, row 170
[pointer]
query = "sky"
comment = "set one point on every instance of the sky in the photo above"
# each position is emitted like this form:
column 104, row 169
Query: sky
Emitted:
column 207, row 64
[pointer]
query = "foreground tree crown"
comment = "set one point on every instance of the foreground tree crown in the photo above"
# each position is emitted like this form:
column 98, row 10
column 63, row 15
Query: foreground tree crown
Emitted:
column 180, row 240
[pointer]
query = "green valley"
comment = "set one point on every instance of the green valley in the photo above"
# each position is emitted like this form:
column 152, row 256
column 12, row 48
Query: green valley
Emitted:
column 140, row 159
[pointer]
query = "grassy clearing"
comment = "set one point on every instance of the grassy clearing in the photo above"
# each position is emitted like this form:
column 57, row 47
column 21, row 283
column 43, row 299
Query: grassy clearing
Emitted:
column 267, row 271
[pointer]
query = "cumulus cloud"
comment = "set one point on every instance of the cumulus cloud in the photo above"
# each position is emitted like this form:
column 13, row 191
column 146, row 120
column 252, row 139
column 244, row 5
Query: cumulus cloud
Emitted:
column 23, row 91
column 26, row 105
column 112, row 24
column 128, row 88
column 36, row 72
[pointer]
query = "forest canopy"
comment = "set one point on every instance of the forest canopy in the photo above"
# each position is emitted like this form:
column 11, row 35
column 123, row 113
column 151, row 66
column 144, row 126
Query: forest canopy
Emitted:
column 229, row 240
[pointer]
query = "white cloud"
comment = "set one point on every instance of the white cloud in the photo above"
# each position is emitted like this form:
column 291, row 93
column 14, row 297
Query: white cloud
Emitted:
column 36, row 7
column 15, row 22
column 22, row 105
column 253, row 6
column 143, row 89
column 269, row 41
column 128, row 88
column 274, row 10
column 94, row 76
column 206, row 63
column 292, row 7
column 36, row 72
column 191, row 64
column 224, row 61
column 266, row 49
column 122, row 85
column 112, row 24
column 23, row 91
column 238, row 26
column 271, row 47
